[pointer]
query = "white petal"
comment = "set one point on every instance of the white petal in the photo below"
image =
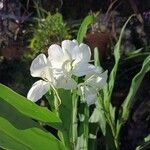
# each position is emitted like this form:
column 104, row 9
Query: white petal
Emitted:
column 103, row 82
column 47, row 74
column 82, row 69
column 56, row 55
column 76, row 54
column 38, row 65
column 66, row 83
column 37, row 90
column 88, row 94
column 81, row 54
column 80, row 89
column 67, row 56
column 97, row 80
column 98, row 70
column 91, row 99
column 68, row 45
column 85, row 52
column 75, row 41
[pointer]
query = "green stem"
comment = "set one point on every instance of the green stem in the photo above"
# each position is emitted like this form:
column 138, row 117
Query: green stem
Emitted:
column 74, row 119
column 86, row 126
column 112, row 125
column 64, row 134
column 66, row 140
column 118, row 128
column 83, row 128
column 114, row 133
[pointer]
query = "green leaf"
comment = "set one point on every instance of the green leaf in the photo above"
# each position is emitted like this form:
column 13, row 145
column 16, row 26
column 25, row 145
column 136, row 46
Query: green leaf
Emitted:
column 96, row 57
column 18, row 132
column 65, row 109
column 88, row 20
column 98, row 116
column 134, row 52
column 145, row 145
column 110, row 139
column 83, row 127
column 65, row 114
column 110, row 111
column 29, row 108
column 136, row 81
column 117, row 58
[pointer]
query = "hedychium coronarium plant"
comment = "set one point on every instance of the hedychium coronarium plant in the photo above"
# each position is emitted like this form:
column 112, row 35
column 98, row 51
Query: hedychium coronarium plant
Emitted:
column 68, row 78
column 79, row 94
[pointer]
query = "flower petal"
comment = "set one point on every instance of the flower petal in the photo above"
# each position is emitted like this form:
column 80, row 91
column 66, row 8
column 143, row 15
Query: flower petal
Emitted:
column 97, row 80
column 76, row 54
column 82, row 69
column 88, row 94
column 68, row 45
column 38, row 65
column 75, row 41
column 85, row 52
column 80, row 53
column 56, row 55
column 37, row 90
column 66, row 83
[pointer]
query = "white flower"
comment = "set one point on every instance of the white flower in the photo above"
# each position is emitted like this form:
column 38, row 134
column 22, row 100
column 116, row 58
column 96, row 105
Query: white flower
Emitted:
column 61, row 66
column 41, row 67
column 96, row 79
column 88, row 94
column 93, row 83
column 73, row 59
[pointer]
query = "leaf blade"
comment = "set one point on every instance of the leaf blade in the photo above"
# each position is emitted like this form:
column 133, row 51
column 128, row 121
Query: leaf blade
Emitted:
column 136, row 81
column 88, row 20
column 29, row 108
column 20, row 132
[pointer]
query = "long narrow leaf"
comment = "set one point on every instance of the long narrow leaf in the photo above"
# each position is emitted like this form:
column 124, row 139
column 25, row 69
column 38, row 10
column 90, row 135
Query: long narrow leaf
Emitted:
column 117, row 58
column 136, row 81
column 18, row 132
column 29, row 108
column 83, row 28
column 96, row 57
column 145, row 145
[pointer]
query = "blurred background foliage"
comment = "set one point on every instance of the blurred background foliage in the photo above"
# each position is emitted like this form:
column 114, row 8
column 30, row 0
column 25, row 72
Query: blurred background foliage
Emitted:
column 49, row 30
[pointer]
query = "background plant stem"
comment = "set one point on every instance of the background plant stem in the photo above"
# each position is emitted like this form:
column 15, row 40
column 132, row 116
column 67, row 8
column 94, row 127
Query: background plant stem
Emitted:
column 86, row 126
column 74, row 119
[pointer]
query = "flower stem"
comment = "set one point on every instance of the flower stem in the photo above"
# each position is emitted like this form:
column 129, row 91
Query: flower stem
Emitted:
column 86, row 126
column 74, row 119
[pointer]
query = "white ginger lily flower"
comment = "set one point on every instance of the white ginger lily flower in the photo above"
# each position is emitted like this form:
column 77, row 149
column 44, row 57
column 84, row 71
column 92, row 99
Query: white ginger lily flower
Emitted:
column 92, row 85
column 73, row 59
column 41, row 67
column 63, row 63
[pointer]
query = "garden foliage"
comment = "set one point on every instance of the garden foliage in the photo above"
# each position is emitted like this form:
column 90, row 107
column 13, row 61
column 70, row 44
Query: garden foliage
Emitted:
column 22, row 121
column 50, row 29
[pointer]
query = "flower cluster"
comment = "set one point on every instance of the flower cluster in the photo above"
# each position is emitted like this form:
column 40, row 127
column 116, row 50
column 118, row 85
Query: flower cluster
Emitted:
column 60, row 68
